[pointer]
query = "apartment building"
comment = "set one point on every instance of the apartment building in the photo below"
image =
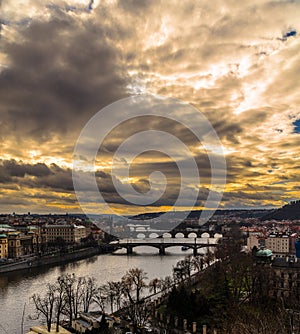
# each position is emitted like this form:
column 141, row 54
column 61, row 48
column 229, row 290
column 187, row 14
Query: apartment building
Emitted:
column 287, row 276
column 20, row 244
column 3, row 246
column 278, row 244
column 70, row 233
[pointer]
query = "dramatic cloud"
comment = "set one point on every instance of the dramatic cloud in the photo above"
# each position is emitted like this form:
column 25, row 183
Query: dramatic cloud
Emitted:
column 62, row 61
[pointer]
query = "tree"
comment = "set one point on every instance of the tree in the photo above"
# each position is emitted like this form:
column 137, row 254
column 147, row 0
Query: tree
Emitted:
column 134, row 282
column 118, row 291
column 154, row 284
column 111, row 294
column 198, row 262
column 137, row 312
column 88, row 292
column 74, row 290
column 100, row 297
column 60, row 301
column 183, row 269
column 166, row 285
column 45, row 305
column 52, row 304
column 114, row 291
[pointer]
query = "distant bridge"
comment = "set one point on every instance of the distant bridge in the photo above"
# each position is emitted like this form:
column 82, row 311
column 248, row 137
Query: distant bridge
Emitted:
column 162, row 243
column 149, row 233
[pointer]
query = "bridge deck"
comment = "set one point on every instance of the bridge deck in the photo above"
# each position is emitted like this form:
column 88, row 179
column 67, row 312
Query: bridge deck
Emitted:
column 167, row 241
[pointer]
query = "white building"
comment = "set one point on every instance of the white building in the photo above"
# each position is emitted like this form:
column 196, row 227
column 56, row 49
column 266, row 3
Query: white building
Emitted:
column 278, row 244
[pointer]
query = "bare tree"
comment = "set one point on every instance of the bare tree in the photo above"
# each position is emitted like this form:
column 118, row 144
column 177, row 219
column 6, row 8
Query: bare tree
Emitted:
column 183, row 269
column 198, row 262
column 133, row 283
column 110, row 294
column 118, row 292
column 137, row 312
column 100, row 297
column 154, row 285
column 45, row 305
column 60, row 301
column 166, row 285
column 88, row 292
column 68, row 282
column 74, row 290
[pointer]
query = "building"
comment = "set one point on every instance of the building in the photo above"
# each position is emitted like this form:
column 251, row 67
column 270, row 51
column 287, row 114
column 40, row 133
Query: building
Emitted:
column 264, row 256
column 20, row 244
column 254, row 240
column 92, row 322
column 287, row 277
column 79, row 233
column 43, row 330
column 14, row 245
column 3, row 246
column 70, row 233
column 278, row 244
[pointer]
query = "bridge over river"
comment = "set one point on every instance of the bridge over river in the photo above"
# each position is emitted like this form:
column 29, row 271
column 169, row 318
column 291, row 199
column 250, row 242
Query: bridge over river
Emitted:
column 162, row 243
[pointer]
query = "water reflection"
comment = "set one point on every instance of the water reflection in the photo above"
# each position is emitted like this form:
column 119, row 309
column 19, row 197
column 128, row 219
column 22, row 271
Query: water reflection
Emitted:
column 17, row 288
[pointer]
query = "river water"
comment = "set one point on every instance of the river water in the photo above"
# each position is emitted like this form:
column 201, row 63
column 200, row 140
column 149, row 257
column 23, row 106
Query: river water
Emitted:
column 17, row 288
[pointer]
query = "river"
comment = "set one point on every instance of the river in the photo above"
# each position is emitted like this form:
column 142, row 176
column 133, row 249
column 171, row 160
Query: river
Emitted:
column 17, row 288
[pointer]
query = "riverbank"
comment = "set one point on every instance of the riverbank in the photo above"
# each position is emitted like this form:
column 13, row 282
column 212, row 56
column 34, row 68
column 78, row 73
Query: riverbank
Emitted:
column 58, row 258
column 17, row 287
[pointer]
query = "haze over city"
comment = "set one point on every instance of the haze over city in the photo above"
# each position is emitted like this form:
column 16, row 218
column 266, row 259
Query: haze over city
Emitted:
column 63, row 61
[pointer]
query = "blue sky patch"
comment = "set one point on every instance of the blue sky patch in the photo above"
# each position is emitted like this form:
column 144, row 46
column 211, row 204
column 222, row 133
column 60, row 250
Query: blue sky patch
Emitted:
column 297, row 126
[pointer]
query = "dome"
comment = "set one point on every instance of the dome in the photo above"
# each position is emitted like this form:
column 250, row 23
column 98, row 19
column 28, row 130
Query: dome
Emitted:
column 264, row 253
column 3, row 236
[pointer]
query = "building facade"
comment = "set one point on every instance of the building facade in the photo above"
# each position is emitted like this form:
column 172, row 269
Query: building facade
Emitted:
column 3, row 246
column 278, row 244
column 70, row 233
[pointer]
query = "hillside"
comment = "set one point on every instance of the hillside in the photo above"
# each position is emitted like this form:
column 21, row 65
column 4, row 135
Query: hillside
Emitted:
column 289, row 211
column 195, row 214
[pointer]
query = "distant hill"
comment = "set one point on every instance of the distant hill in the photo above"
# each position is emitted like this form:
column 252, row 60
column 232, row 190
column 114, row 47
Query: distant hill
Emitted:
column 195, row 214
column 289, row 211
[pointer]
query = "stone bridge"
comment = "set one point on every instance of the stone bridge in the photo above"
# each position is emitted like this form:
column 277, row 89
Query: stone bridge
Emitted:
column 162, row 243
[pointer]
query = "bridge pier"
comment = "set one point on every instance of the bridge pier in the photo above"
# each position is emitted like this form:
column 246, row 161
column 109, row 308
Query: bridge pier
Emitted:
column 162, row 250
column 129, row 250
column 162, row 244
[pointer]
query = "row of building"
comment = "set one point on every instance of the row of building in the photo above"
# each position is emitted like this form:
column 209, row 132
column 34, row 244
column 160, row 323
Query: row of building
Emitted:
column 19, row 241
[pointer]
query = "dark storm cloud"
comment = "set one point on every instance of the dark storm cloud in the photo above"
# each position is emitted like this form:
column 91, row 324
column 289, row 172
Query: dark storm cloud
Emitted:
column 60, row 73
column 11, row 168
column 35, row 175
column 146, row 123
column 135, row 6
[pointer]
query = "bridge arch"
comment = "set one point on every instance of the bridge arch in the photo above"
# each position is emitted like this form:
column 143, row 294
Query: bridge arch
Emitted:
column 167, row 235
column 205, row 235
column 179, row 235
column 192, row 235
column 153, row 235
column 218, row 235
column 162, row 244
column 141, row 236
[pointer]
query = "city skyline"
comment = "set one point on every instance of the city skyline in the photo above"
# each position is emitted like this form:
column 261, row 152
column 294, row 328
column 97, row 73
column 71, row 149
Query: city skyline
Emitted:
column 63, row 61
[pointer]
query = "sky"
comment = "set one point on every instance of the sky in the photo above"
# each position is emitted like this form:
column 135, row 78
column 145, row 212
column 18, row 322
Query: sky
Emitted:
column 61, row 62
